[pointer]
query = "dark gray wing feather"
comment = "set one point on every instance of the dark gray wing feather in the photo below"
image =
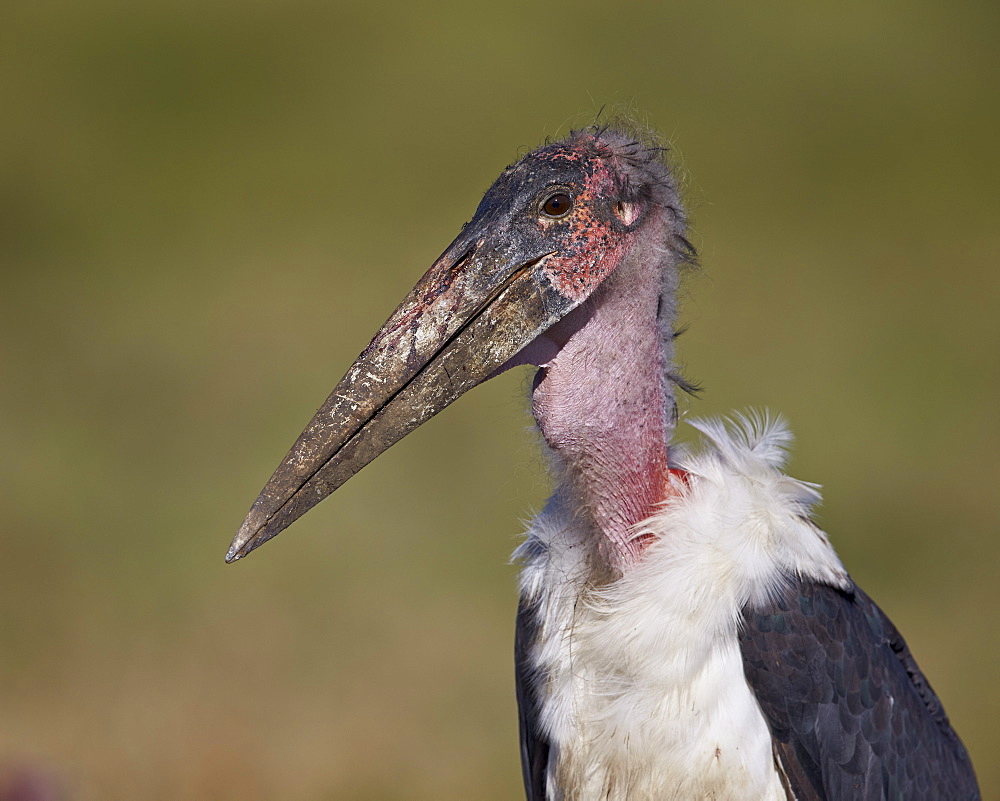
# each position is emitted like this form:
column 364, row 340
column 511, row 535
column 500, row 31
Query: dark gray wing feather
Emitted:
column 534, row 747
column 851, row 714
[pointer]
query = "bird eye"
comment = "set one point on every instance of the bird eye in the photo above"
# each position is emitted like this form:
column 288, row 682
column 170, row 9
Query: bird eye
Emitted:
column 557, row 205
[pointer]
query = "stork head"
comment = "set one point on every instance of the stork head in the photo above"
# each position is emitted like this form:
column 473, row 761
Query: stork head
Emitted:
column 547, row 234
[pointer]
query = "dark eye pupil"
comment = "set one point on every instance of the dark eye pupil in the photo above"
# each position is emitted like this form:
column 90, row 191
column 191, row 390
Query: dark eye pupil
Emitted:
column 557, row 205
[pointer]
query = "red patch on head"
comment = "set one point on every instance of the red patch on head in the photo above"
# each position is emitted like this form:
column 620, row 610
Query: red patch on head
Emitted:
column 591, row 249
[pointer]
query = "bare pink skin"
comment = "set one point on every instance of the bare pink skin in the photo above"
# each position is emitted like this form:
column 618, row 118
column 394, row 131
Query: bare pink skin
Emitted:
column 600, row 400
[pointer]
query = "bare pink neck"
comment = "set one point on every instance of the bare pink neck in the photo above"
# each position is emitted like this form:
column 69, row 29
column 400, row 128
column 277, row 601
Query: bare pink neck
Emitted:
column 601, row 405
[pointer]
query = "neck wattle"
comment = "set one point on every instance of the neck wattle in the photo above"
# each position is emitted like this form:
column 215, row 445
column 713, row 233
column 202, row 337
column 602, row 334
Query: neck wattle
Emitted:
column 603, row 404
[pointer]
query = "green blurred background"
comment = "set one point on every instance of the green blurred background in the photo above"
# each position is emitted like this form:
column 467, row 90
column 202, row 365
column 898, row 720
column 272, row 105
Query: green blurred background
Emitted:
column 207, row 209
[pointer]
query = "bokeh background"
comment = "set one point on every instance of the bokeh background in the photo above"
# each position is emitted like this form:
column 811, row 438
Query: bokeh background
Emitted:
column 207, row 209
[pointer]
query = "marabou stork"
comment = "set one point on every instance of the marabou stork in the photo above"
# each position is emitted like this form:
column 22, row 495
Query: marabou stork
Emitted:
column 685, row 631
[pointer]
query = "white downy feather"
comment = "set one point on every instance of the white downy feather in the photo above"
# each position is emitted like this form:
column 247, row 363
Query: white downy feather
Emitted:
column 645, row 696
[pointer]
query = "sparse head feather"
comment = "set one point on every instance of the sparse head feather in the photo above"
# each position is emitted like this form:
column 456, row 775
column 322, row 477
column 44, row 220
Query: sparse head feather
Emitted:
column 636, row 161
column 637, row 166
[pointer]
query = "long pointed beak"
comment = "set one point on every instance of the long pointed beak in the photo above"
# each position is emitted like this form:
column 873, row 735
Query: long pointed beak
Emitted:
column 471, row 312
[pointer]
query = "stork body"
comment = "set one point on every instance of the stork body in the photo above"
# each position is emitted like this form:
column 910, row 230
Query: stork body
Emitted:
column 735, row 660
column 684, row 630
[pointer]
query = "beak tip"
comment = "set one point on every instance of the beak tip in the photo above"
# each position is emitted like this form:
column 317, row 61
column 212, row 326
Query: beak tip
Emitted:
column 243, row 542
column 237, row 550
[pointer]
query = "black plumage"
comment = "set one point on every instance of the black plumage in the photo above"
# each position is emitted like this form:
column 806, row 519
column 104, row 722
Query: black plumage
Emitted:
column 534, row 746
column 851, row 714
